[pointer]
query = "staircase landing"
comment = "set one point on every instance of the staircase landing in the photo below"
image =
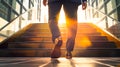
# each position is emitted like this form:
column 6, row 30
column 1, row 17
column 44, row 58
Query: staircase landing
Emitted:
column 60, row 62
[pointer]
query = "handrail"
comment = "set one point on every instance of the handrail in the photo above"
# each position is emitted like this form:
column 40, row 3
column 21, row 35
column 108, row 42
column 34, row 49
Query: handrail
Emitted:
column 109, row 26
column 104, row 14
column 15, row 19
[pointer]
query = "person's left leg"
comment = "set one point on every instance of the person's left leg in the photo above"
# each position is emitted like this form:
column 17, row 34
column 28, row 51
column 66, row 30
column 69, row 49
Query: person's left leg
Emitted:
column 70, row 9
column 54, row 10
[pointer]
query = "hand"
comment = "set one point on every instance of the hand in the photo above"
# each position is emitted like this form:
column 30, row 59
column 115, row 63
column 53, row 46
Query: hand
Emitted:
column 84, row 5
column 44, row 2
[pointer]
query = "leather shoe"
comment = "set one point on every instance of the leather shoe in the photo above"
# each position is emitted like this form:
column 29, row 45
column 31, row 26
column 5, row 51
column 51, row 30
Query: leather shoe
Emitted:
column 69, row 55
column 56, row 53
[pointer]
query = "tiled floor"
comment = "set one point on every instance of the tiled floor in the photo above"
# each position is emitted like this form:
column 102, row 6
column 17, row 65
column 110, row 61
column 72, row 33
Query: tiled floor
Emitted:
column 60, row 62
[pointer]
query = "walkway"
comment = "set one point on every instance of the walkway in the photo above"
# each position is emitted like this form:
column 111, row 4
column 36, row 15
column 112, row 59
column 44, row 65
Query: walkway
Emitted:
column 61, row 62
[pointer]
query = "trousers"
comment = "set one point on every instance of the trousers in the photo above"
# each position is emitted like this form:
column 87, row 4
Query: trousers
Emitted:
column 70, row 10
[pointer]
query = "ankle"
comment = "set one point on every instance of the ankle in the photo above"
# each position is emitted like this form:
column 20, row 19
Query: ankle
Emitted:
column 58, row 39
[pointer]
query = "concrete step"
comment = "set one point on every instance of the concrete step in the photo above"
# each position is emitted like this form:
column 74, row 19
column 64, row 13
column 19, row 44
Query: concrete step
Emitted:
column 78, row 52
column 91, row 38
column 61, row 30
column 102, row 45
column 39, row 34
column 51, row 45
column 36, row 42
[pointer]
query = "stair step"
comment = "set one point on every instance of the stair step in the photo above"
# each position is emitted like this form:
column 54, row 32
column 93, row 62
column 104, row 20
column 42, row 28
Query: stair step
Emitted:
column 36, row 41
column 31, row 45
column 103, row 45
column 48, row 38
column 51, row 45
column 46, row 52
column 38, row 34
column 38, row 30
column 61, row 29
column 40, row 25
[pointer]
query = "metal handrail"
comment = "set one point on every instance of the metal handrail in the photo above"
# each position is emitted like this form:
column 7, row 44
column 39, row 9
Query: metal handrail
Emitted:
column 15, row 19
column 104, row 14
column 107, row 27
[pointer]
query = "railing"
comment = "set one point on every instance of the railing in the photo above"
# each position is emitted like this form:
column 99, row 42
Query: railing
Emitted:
column 113, row 25
column 18, row 23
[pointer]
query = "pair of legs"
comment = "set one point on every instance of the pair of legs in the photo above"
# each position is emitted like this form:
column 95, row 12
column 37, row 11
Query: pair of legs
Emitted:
column 70, row 10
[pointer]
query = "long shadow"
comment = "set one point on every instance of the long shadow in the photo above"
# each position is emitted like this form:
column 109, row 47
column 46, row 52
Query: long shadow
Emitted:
column 52, row 63
column 59, row 63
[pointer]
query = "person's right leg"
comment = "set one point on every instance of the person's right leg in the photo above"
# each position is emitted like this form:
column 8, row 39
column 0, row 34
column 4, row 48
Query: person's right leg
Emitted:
column 70, row 9
column 54, row 10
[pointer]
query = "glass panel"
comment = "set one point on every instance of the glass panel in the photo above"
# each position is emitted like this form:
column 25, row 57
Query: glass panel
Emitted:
column 3, row 11
column 102, row 24
column 17, row 7
column 9, row 30
column 114, row 15
column 110, row 6
column 117, row 2
column 8, row 1
column 103, row 10
column 18, row 23
column 100, row 3
column 118, row 13
column 23, row 10
column 26, row 3
column 101, row 15
column 15, row 26
column 94, row 4
column 2, row 38
column 2, row 22
column 110, row 22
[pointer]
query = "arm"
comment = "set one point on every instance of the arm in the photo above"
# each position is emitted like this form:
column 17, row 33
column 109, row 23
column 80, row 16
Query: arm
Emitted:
column 44, row 2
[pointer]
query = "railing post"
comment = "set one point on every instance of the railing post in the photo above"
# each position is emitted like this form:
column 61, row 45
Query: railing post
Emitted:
column 20, row 21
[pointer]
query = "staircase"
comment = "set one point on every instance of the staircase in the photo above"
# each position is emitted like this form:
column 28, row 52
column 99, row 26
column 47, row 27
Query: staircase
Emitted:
column 36, row 42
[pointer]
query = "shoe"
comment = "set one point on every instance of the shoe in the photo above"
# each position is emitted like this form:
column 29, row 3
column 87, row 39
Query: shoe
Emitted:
column 69, row 55
column 56, row 53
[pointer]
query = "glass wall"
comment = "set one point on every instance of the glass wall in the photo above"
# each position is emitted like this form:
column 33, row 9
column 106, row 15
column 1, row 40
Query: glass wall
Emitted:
column 10, row 8
column 16, row 14
column 107, row 12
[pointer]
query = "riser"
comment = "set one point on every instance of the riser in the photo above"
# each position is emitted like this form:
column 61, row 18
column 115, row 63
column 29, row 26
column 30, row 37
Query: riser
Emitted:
column 38, row 30
column 31, row 45
column 45, row 25
column 65, row 31
column 91, row 38
column 103, row 45
column 63, row 34
column 61, row 27
column 37, row 35
column 47, row 52
column 42, row 25
column 51, row 45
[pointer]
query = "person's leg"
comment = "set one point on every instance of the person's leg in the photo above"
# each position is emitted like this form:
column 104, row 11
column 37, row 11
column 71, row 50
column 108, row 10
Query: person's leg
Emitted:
column 71, row 21
column 54, row 10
